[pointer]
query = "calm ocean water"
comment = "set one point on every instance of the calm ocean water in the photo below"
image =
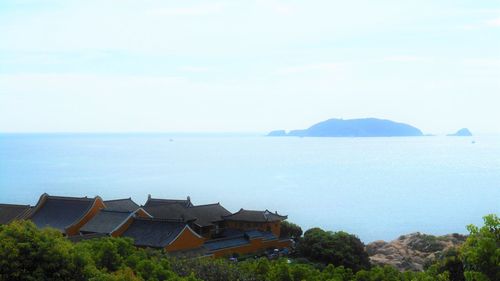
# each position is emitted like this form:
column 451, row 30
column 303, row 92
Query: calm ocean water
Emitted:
column 377, row 188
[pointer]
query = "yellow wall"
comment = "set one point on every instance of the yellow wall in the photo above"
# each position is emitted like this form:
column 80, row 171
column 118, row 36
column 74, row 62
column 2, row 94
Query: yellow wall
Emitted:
column 186, row 240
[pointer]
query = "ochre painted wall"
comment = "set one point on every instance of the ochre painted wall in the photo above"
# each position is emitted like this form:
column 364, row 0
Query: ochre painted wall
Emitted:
column 186, row 240
column 141, row 213
column 75, row 228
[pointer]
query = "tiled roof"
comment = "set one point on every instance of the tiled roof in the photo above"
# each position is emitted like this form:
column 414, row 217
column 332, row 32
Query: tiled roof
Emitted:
column 267, row 235
column 254, row 216
column 207, row 214
column 170, row 211
column 10, row 212
column 126, row 204
column 151, row 202
column 237, row 238
column 155, row 233
column 218, row 244
column 203, row 215
column 105, row 221
column 251, row 234
column 60, row 212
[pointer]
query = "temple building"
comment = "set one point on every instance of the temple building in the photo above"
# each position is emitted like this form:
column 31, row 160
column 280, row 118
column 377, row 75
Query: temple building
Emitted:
column 151, row 202
column 169, row 235
column 259, row 220
column 206, row 220
column 176, row 226
column 67, row 214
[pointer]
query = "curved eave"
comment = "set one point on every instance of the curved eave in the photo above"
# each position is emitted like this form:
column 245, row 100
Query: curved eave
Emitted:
column 86, row 213
column 180, row 233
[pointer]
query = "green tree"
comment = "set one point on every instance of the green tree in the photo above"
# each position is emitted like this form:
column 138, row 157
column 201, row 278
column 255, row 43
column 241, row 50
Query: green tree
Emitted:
column 337, row 248
column 480, row 253
column 290, row 230
column 27, row 253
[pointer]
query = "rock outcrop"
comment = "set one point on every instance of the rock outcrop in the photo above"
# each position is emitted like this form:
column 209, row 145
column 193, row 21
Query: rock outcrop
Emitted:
column 411, row 251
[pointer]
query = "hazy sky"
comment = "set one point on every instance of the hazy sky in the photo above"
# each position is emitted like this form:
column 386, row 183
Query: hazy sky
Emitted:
column 247, row 65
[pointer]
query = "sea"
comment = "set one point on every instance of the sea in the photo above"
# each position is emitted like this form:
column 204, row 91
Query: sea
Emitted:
column 376, row 188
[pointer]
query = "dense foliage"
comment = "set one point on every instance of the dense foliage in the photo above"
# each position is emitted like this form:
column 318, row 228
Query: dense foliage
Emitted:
column 291, row 230
column 28, row 253
column 481, row 252
column 336, row 248
column 282, row 270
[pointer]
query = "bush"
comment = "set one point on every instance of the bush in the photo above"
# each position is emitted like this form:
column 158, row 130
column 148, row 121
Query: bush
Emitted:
column 28, row 253
column 290, row 230
column 480, row 253
column 337, row 248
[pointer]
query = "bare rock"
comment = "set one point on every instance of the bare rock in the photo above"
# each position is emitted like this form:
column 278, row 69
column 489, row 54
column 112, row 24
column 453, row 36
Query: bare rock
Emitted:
column 411, row 251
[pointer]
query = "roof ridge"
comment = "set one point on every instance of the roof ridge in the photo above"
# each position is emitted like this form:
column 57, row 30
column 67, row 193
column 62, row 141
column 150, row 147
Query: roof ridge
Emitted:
column 161, row 220
column 115, row 211
column 204, row 205
column 163, row 206
column 17, row 205
column 167, row 199
column 71, row 198
column 123, row 199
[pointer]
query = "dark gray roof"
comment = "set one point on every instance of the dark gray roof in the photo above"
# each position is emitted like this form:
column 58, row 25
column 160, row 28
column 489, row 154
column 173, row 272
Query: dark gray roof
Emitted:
column 251, row 234
column 236, row 238
column 207, row 214
column 61, row 212
column 254, row 216
column 10, row 212
column 105, row 221
column 155, row 233
column 170, row 211
column 267, row 235
column 126, row 204
column 214, row 245
column 203, row 215
column 157, row 201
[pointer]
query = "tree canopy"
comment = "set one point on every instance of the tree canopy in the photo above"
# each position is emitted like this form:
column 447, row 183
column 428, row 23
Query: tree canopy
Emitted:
column 337, row 248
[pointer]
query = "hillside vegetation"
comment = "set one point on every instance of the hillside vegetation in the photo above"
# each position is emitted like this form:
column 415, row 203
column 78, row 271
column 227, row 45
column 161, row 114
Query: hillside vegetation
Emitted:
column 28, row 253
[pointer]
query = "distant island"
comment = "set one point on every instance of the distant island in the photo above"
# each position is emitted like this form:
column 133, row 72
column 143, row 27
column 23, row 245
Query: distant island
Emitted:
column 366, row 127
column 461, row 133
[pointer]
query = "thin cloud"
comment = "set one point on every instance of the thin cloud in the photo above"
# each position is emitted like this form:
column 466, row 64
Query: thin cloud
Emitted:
column 196, row 10
column 493, row 22
column 278, row 7
column 195, row 69
column 405, row 58
column 316, row 67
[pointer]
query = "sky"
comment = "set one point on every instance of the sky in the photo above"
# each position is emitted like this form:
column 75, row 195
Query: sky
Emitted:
column 247, row 66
